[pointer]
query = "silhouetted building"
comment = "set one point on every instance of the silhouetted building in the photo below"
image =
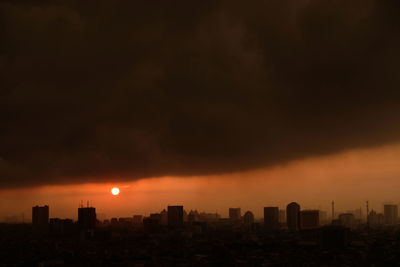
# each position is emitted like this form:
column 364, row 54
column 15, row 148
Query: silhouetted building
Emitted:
column 175, row 216
column 248, row 218
column 185, row 216
column 61, row 226
column 271, row 218
column 282, row 216
column 347, row 219
column 193, row 216
column 375, row 219
column 198, row 227
column 357, row 213
column 292, row 216
column 40, row 215
column 151, row 225
column 137, row 219
column 114, row 221
column 125, row 222
column 164, row 217
column 235, row 214
column 156, row 216
column 323, row 217
column 87, row 218
column 309, row 219
column 209, row 217
column 391, row 213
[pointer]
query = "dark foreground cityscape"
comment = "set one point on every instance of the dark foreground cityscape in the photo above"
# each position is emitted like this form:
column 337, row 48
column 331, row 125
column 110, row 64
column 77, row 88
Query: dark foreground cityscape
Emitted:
column 173, row 237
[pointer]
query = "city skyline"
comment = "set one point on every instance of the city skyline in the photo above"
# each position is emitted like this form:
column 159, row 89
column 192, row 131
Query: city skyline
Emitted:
column 118, row 118
column 291, row 213
column 231, row 106
column 176, row 217
column 317, row 181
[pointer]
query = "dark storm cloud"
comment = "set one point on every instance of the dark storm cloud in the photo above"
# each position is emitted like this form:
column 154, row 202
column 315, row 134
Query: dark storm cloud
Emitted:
column 100, row 90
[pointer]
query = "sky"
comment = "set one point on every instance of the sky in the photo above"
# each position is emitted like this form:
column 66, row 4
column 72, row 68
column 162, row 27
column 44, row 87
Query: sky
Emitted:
column 158, row 95
column 349, row 178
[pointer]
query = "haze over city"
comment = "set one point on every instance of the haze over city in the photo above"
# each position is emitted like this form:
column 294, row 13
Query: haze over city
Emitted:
column 141, row 107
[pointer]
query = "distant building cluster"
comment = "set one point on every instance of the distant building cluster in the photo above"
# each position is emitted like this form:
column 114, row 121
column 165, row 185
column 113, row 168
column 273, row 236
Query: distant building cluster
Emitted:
column 175, row 237
column 175, row 217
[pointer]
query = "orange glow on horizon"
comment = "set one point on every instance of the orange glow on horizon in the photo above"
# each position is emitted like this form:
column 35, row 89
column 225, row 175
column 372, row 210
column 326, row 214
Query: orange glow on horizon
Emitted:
column 350, row 178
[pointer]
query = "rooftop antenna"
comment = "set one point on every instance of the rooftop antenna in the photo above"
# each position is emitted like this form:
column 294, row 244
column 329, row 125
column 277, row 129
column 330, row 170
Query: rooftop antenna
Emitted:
column 87, row 203
column 333, row 210
column 81, row 206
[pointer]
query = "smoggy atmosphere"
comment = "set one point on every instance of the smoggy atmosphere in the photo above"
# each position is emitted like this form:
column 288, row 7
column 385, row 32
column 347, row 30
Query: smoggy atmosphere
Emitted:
column 199, row 133
column 105, row 93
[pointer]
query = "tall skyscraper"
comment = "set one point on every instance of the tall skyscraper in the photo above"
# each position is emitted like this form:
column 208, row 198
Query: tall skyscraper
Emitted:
column 271, row 218
column 292, row 216
column 87, row 218
column 40, row 215
column 175, row 216
column 309, row 219
column 391, row 213
column 235, row 214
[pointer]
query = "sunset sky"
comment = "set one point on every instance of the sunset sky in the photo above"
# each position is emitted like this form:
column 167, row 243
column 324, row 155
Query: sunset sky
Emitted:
column 209, row 104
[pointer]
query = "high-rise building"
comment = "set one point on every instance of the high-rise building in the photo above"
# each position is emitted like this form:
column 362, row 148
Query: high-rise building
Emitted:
column 40, row 215
column 248, row 218
column 309, row 219
column 175, row 216
column 391, row 213
column 235, row 214
column 292, row 216
column 271, row 218
column 87, row 218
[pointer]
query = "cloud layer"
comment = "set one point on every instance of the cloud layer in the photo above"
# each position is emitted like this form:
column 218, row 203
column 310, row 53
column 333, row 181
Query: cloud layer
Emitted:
column 98, row 90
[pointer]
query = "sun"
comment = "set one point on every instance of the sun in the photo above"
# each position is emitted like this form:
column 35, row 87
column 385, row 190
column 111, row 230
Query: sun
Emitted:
column 115, row 191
